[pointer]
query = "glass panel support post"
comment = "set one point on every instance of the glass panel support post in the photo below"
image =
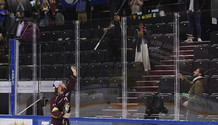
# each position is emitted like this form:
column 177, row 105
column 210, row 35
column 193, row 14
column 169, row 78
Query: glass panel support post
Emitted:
column 34, row 50
column 77, row 56
column 124, row 64
column 176, row 47
column 14, row 74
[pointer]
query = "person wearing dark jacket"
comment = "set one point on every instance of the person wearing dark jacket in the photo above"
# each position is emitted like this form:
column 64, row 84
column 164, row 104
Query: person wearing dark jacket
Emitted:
column 60, row 102
column 114, row 33
column 3, row 14
column 193, row 10
column 27, row 31
column 27, row 36
column 10, row 25
column 195, row 93
column 36, row 11
column 19, row 9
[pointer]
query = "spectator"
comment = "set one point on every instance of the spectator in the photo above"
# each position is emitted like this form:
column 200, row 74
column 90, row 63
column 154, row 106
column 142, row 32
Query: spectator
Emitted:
column 45, row 13
column 141, row 38
column 59, row 18
column 52, row 11
column 2, row 16
column 193, row 10
column 27, row 31
column 37, row 8
column 27, row 36
column 10, row 26
column 2, row 46
column 136, row 6
column 20, row 9
column 20, row 26
column 115, row 39
column 195, row 93
column 81, row 9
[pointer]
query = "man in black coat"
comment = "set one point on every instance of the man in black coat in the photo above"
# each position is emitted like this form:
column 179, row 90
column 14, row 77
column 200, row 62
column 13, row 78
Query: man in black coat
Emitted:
column 193, row 10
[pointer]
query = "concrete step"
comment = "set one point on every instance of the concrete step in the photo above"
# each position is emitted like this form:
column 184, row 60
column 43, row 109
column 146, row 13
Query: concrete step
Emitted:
column 151, row 77
column 146, row 83
column 145, row 88
column 167, row 62
column 162, row 72
column 187, row 47
column 195, row 43
column 185, row 52
column 164, row 67
column 181, row 57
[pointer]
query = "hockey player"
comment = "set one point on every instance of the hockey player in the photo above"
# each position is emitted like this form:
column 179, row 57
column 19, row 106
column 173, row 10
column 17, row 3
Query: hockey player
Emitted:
column 60, row 103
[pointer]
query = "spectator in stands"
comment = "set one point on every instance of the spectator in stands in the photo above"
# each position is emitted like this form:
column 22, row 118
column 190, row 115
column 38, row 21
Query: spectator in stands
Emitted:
column 136, row 6
column 10, row 25
column 81, row 9
column 60, row 102
column 195, row 93
column 2, row 46
column 52, row 11
column 20, row 26
column 27, row 36
column 20, row 9
column 115, row 39
column 114, row 5
column 59, row 18
column 193, row 10
column 36, row 10
column 3, row 14
column 45, row 13
column 141, row 39
column 27, row 31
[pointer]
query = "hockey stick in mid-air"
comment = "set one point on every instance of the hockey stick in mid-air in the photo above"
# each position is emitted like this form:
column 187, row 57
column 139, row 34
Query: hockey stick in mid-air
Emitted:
column 29, row 107
column 102, row 37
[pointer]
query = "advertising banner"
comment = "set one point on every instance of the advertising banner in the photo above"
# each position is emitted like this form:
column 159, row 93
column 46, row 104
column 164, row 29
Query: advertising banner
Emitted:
column 16, row 121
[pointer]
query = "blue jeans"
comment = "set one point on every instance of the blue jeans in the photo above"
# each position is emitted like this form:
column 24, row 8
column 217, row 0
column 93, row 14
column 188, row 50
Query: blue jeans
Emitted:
column 194, row 18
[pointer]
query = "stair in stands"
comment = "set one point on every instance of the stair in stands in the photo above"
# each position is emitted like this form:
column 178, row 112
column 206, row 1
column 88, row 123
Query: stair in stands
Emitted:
column 151, row 77
column 185, row 52
column 162, row 72
column 146, row 83
column 189, row 47
column 195, row 43
column 164, row 67
column 167, row 62
column 145, row 88
column 181, row 57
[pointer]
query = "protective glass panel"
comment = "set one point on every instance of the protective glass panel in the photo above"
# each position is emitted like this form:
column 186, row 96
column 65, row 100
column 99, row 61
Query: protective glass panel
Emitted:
column 54, row 57
column 100, row 69
column 5, row 76
column 201, row 68
column 150, row 69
